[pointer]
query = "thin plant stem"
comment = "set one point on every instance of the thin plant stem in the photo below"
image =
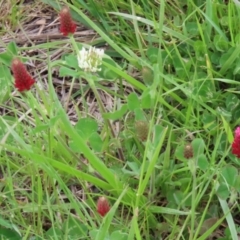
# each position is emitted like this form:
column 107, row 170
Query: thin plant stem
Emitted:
column 101, row 106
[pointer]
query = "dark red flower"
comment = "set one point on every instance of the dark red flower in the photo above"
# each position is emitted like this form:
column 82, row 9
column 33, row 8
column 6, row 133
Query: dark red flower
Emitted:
column 236, row 143
column 103, row 206
column 67, row 26
column 23, row 80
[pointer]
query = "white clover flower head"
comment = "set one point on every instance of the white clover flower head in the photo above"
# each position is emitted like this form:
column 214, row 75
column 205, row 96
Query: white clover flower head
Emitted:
column 90, row 60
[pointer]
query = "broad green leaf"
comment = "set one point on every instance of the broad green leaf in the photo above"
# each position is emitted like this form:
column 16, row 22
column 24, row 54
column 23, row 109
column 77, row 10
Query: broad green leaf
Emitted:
column 54, row 233
column 117, row 114
column 199, row 47
column 86, row 127
column 71, row 61
column 96, row 142
column 152, row 54
column 12, row 48
column 74, row 229
column 224, row 113
column 179, row 153
column 139, row 114
column 192, row 28
column 6, row 58
column 220, row 43
column 209, row 121
column 223, row 191
column 147, row 99
column 6, row 234
column 94, row 233
column 106, row 72
column 133, row 101
column 68, row 72
column 230, row 174
column 232, row 102
column 237, row 183
column 5, row 82
column 134, row 167
column 203, row 163
column 198, row 146
column 119, row 235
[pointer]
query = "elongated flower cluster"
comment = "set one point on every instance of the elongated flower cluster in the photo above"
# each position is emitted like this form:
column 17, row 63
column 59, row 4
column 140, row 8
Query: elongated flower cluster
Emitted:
column 103, row 206
column 67, row 25
column 236, row 143
column 23, row 80
column 90, row 60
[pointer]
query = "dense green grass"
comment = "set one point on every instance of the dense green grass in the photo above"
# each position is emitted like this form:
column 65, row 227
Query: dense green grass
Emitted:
column 169, row 78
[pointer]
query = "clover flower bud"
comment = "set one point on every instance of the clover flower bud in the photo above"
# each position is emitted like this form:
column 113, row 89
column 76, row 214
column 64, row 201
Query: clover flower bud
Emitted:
column 103, row 206
column 188, row 151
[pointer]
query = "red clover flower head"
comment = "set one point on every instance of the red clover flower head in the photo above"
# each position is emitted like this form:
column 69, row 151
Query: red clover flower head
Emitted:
column 103, row 206
column 236, row 143
column 67, row 25
column 23, row 80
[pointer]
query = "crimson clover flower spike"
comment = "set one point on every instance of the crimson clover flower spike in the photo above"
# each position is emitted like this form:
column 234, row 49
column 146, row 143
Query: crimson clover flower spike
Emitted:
column 236, row 143
column 103, row 206
column 23, row 80
column 67, row 25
